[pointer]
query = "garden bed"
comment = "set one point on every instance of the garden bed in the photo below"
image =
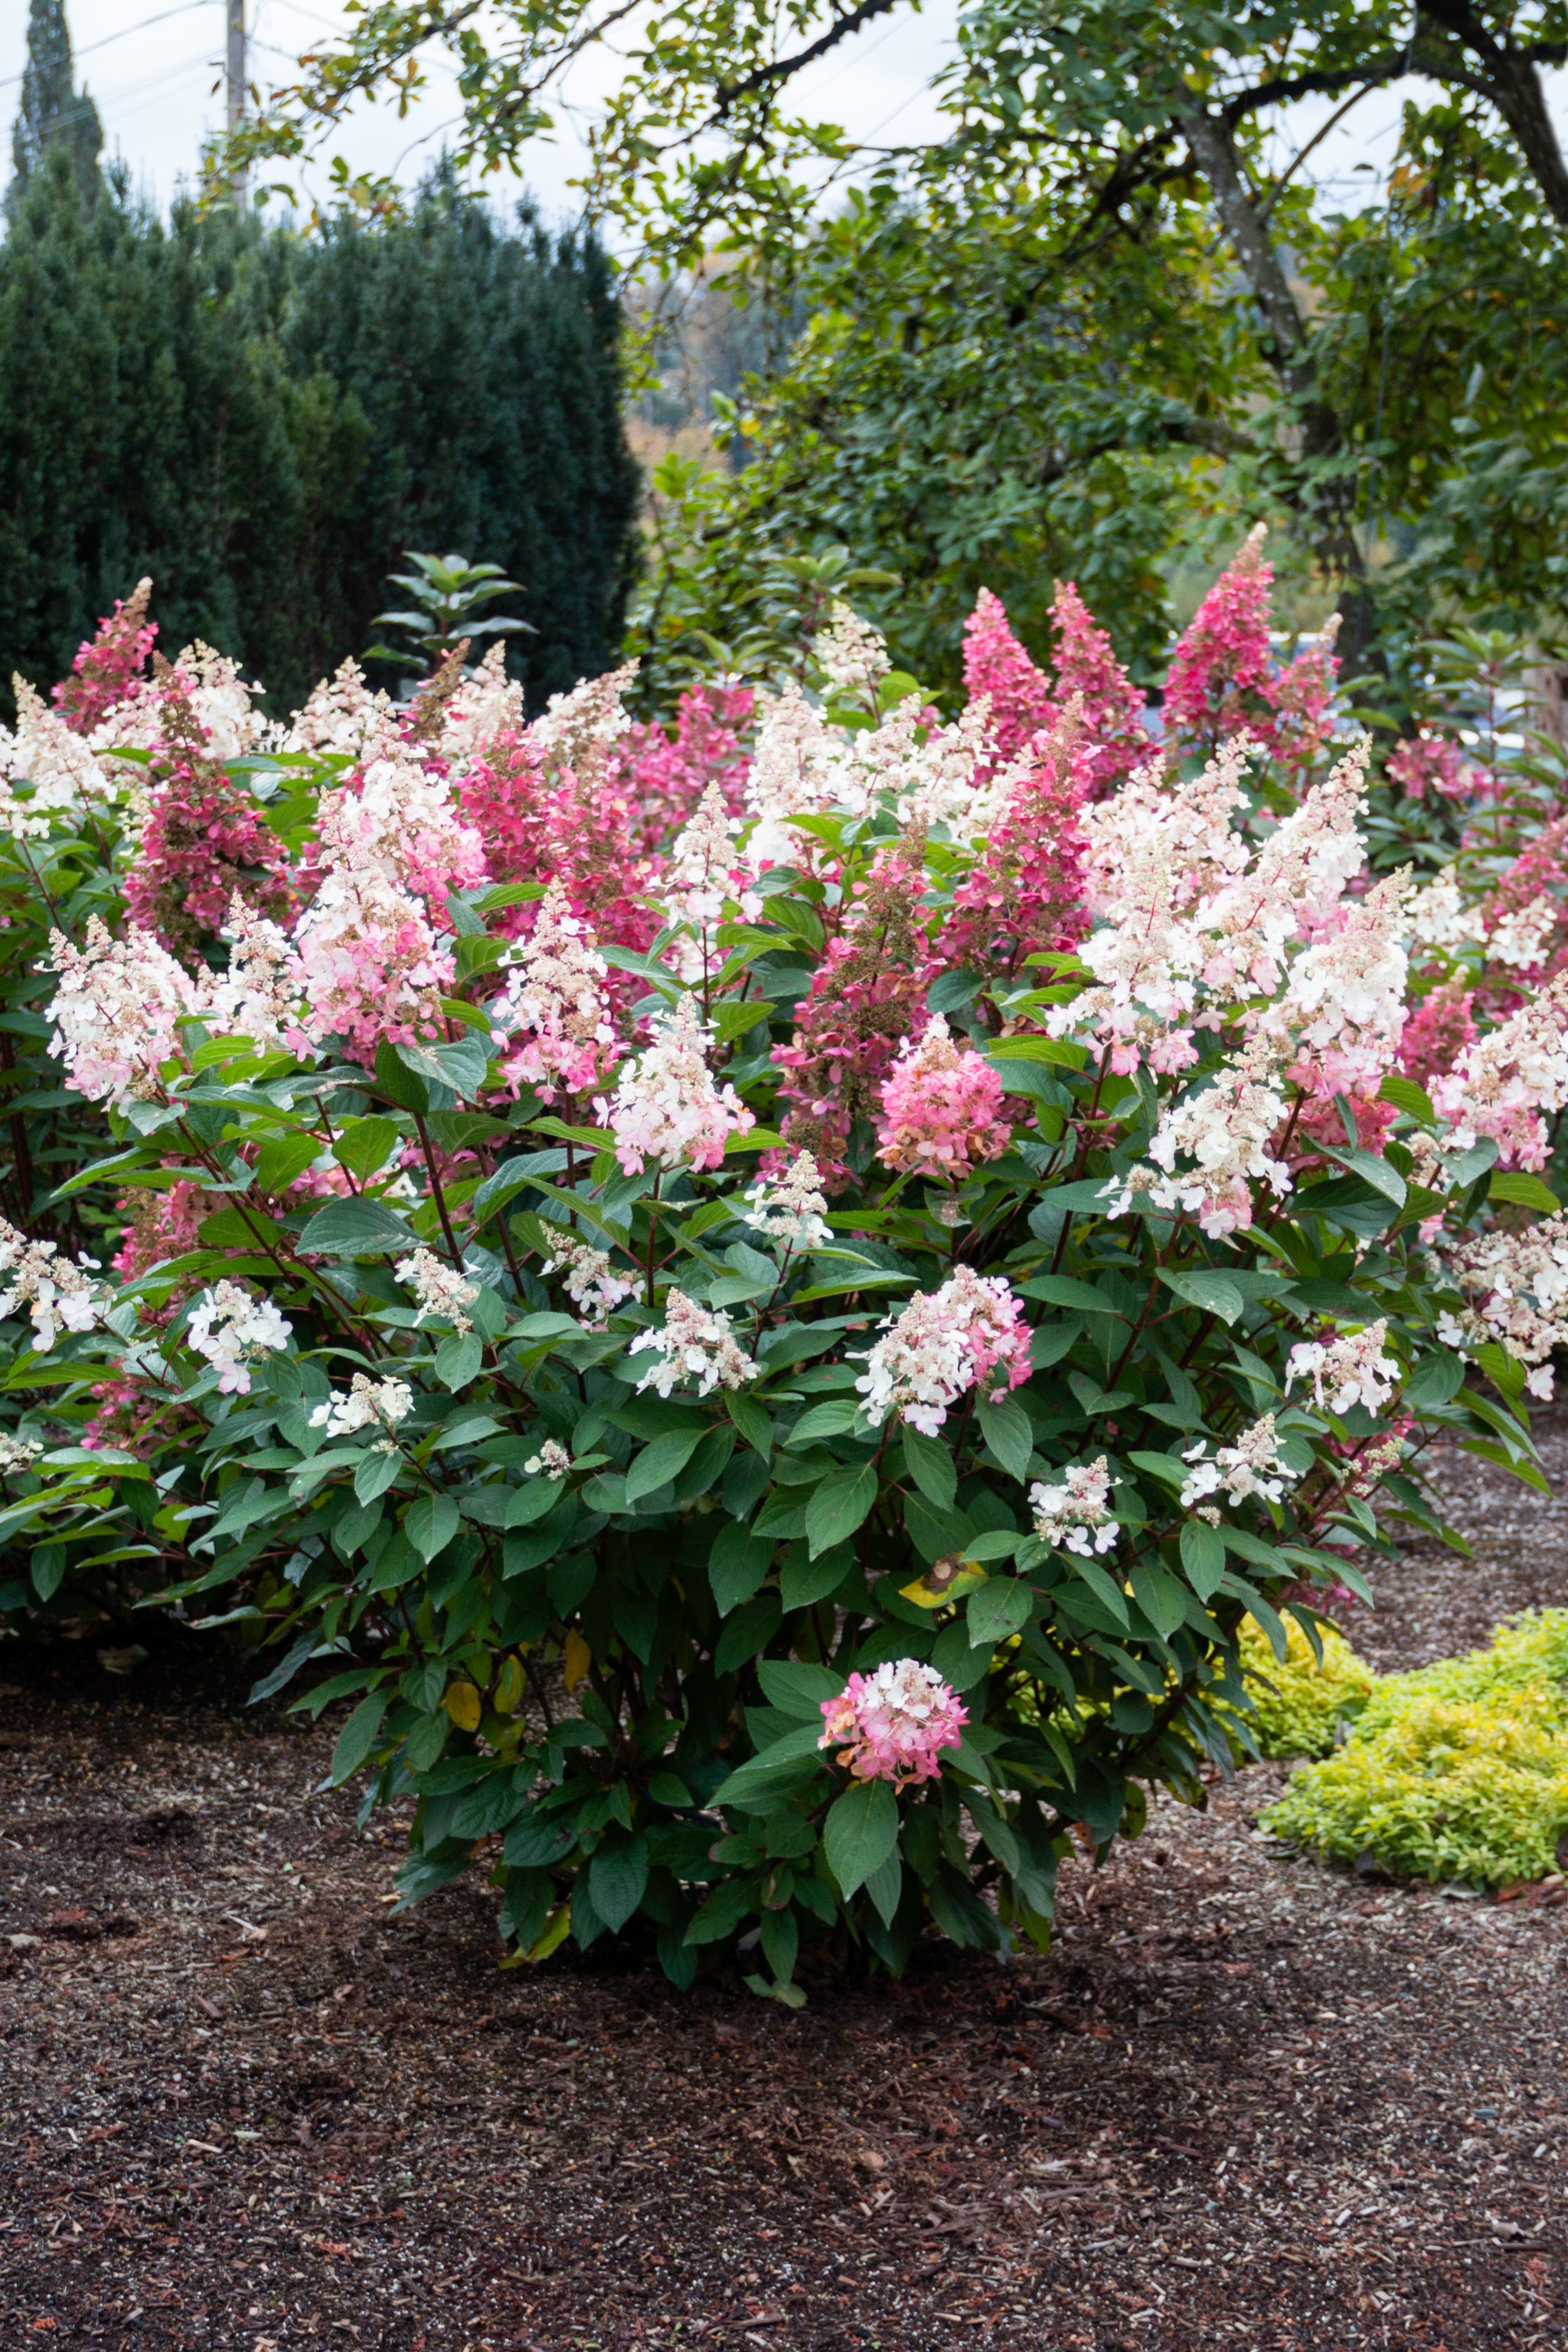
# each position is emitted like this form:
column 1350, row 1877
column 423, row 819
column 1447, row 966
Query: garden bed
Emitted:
column 1246, row 2100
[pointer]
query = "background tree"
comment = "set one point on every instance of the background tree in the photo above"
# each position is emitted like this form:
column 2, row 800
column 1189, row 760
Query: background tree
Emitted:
column 53, row 112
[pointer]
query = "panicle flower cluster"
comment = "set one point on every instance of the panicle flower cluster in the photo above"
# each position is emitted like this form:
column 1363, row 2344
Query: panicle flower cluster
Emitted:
column 17, row 1452
column 866, row 995
column 159, row 1225
column 1502, row 1081
column 1024, row 894
column 593, row 1285
column 666, row 1106
column 941, row 1107
column 969, row 1334
column 368, row 1404
column 996, row 665
column 258, row 997
column 107, row 666
column 233, row 1330
column 552, row 1461
column 1351, row 1369
column 203, row 844
column 57, row 766
column 1225, row 1128
column 894, row 1723
column 1072, row 1511
column 1115, row 737
column 402, row 821
column 1433, row 763
column 1517, row 1292
column 1222, row 675
column 439, row 1288
column 694, row 1343
column 116, row 1011
column 368, row 965
column 665, row 774
column 341, row 714
column 1254, row 1466
column 1436, row 1033
column 1443, row 920
column 851, row 655
column 554, row 1015
column 1343, row 1012
column 789, row 1208
column 796, row 771
column 705, row 873
column 58, row 1292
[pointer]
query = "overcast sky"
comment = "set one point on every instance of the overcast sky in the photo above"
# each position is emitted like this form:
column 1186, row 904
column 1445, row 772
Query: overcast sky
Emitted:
column 155, row 68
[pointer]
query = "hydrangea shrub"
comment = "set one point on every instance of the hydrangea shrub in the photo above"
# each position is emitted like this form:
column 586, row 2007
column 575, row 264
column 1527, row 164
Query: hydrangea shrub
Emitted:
column 767, row 1300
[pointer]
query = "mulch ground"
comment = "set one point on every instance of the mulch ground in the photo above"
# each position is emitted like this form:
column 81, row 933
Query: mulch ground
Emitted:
column 1247, row 2100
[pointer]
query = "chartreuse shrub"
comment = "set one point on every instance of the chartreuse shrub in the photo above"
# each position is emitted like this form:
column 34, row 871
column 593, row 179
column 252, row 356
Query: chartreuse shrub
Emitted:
column 1297, row 1702
column 766, row 1302
column 1457, row 1771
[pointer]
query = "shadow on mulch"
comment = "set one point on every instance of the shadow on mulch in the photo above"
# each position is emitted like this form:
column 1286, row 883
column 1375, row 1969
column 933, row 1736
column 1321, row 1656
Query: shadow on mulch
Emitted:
column 1246, row 2100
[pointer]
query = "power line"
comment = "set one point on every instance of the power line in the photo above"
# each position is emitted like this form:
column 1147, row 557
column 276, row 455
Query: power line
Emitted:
column 123, row 35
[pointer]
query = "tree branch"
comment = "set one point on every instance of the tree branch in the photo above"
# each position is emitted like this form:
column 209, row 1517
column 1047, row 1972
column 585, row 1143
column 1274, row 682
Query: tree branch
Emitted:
column 1513, row 86
column 765, row 77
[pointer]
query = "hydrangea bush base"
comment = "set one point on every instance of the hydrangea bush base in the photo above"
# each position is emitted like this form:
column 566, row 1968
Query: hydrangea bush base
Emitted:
column 768, row 1319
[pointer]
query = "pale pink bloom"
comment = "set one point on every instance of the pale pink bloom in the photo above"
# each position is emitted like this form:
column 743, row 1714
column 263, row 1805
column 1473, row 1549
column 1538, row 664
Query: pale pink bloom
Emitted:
column 851, row 655
column 666, row 1106
column 402, row 824
column 116, row 1012
column 368, row 1404
column 439, row 1288
column 368, row 964
column 942, row 1108
column 233, row 1329
column 1517, row 1286
column 258, row 996
column 894, row 1723
column 1253, row 1465
column 695, row 1343
column 969, row 1334
column 1343, row 1006
column 58, row 1292
column 1506, row 1077
column 595, row 1286
column 555, row 1018
column 791, row 1208
column 1072, row 1509
column 1224, row 1130
column 486, row 704
column 52, row 761
column 705, row 874
column 343, row 715
column 1351, row 1370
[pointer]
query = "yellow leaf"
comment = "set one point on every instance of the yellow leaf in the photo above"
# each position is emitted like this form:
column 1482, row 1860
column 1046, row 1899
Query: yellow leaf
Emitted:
column 577, row 1659
column 465, row 1705
column 557, row 1928
column 508, row 1687
column 951, row 1577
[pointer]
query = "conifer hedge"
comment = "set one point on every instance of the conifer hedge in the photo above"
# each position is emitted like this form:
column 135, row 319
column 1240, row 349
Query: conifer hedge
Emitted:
column 265, row 421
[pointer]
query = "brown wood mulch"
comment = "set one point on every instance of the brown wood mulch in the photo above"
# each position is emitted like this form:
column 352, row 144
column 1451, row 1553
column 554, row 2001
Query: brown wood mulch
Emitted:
column 1248, row 2101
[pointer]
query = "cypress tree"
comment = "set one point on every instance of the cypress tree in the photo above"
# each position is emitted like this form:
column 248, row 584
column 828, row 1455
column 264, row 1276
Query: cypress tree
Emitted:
column 53, row 112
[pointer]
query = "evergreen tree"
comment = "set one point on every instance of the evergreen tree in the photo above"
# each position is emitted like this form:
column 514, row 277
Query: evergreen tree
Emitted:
column 53, row 112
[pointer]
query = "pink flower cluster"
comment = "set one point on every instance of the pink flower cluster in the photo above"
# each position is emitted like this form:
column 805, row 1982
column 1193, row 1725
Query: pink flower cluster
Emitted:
column 1433, row 763
column 894, row 1724
column 942, row 1108
column 1223, row 678
column 1023, row 705
column 1024, row 893
column 205, row 843
column 667, row 774
column 969, row 1333
column 108, row 665
column 666, row 1106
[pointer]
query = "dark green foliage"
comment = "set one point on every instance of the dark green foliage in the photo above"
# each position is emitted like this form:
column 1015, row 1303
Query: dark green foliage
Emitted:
column 264, row 423
column 53, row 111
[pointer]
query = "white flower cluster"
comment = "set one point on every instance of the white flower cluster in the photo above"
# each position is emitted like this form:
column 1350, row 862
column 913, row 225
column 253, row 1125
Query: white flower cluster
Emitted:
column 1521, row 935
column 1225, row 1130
column 1253, row 1465
column 232, row 1330
column 552, row 1461
column 1518, row 1289
column 968, row 1334
column 850, row 654
column 17, row 1452
column 367, row 1403
column 666, row 1106
column 1441, row 917
column 1505, row 1078
column 53, row 761
column 695, row 1343
column 258, row 997
column 593, row 1285
column 1075, row 1514
column 1343, row 1006
column 555, row 1018
column 116, row 1010
column 439, row 1288
column 1349, row 1370
column 792, row 1208
column 705, row 870
column 58, row 1294
column 343, row 715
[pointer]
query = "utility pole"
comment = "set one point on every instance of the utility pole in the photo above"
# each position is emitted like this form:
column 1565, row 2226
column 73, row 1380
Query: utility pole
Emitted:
column 236, row 79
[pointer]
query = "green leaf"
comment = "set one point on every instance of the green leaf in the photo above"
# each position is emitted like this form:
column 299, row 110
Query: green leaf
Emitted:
column 798, row 1688
column 287, row 1156
column 758, row 1784
column 1159, row 1596
column 1407, row 1096
column 460, row 1065
column 458, row 1359
column 618, row 1878
column 755, row 1424
column 838, row 1505
column 997, row 1608
column 885, row 1885
column 1372, row 1170
column 931, row 1466
column 430, row 1523
column 1213, row 1293
column 358, row 1735
column 356, row 1229
column 374, row 1474
column 1066, row 1290
column 364, row 1145
column 1164, row 1467
column 657, row 1464
column 1009, row 1432
column 737, row 1566
column 1203, row 1558
column 1436, row 1379
column 1525, row 1191
column 805, row 1579
column 1104, row 1587
column 862, row 1833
